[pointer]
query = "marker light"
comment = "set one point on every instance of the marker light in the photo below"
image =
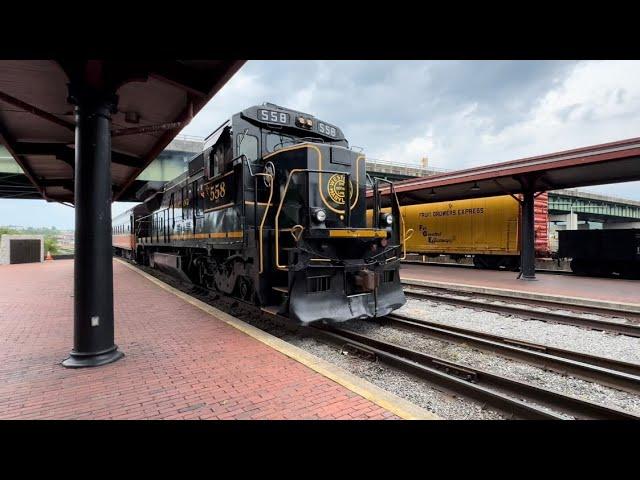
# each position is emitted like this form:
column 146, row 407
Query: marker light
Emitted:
column 319, row 215
column 389, row 219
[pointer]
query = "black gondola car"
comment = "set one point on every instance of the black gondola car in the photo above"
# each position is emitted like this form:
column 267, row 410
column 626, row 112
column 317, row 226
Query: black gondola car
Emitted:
column 602, row 252
column 261, row 215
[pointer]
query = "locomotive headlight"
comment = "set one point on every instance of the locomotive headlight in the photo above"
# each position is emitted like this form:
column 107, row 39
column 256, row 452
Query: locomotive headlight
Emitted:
column 386, row 219
column 304, row 122
column 319, row 215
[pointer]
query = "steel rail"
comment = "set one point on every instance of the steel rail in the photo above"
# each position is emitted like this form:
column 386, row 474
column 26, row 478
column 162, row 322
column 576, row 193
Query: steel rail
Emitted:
column 628, row 329
column 510, row 396
column 606, row 371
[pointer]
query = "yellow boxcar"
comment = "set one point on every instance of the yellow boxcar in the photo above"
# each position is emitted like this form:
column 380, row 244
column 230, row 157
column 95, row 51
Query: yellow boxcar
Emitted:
column 484, row 227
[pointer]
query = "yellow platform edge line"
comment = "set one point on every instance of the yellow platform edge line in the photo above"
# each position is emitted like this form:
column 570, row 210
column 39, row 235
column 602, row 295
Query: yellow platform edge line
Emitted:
column 387, row 400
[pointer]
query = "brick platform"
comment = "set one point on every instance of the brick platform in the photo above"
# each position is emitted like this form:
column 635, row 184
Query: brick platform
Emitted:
column 602, row 289
column 180, row 362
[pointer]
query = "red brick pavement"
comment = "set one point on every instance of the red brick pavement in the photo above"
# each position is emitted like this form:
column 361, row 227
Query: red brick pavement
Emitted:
column 180, row 363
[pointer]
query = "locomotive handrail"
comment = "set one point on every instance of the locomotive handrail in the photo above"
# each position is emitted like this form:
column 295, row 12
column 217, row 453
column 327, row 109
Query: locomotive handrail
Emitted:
column 403, row 236
column 264, row 215
column 284, row 195
column 409, row 234
column 296, row 232
column 255, row 205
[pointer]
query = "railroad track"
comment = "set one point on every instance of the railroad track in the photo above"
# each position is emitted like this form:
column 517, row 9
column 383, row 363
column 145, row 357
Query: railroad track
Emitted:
column 630, row 329
column 516, row 399
column 606, row 371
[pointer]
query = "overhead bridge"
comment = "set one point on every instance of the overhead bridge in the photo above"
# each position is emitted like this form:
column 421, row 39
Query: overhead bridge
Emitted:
column 569, row 206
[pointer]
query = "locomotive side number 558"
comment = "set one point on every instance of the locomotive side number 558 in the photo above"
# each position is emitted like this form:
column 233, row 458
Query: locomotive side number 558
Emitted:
column 217, row 191
column 327, row 129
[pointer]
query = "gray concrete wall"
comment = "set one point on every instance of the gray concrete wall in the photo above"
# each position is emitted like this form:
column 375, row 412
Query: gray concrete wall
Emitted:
column 5, row 253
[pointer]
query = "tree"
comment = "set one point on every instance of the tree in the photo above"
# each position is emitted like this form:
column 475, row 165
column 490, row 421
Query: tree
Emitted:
column 51, row 244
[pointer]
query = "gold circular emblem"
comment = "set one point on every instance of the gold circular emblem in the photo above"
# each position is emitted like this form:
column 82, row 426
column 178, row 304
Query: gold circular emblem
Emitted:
column 336, row 188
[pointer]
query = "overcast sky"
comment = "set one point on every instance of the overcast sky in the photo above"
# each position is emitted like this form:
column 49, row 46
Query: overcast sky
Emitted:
column 457, row 113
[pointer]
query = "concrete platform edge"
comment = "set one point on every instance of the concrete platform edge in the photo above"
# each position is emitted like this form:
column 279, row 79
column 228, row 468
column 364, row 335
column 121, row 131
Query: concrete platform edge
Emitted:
column 578, row 301
column 387, row 400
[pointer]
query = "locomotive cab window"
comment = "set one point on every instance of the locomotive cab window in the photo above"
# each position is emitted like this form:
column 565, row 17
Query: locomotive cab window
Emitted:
column 247, row 145
column 220, row 155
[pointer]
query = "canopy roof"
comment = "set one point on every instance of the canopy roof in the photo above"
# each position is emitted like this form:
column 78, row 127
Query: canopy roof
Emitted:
column 595, row 165
column 156, row 99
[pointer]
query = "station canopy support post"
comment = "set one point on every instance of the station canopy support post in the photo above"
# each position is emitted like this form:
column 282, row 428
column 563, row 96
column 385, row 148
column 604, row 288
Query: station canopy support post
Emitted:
column 93, row 336
column 527, row 241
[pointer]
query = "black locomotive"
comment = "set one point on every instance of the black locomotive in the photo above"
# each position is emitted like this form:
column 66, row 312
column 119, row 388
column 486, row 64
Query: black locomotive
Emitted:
column 262, row 215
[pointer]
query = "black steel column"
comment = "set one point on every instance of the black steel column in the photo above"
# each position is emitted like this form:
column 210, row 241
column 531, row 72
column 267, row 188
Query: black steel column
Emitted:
column 527, row 242
column 93, row 343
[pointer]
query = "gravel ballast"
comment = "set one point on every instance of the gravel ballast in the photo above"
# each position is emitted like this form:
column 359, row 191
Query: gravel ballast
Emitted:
column 619, row 347
column 466, row 355
column 402, row 384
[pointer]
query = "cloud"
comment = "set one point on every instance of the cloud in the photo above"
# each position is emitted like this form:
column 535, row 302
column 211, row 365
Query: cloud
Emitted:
column 597, row 102
column 457, row 113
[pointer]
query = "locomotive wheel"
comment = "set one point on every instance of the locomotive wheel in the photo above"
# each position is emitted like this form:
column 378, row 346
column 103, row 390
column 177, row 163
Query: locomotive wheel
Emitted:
column 245, row 289
column 204, row 275
column 577, row 266
column 581, row 266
